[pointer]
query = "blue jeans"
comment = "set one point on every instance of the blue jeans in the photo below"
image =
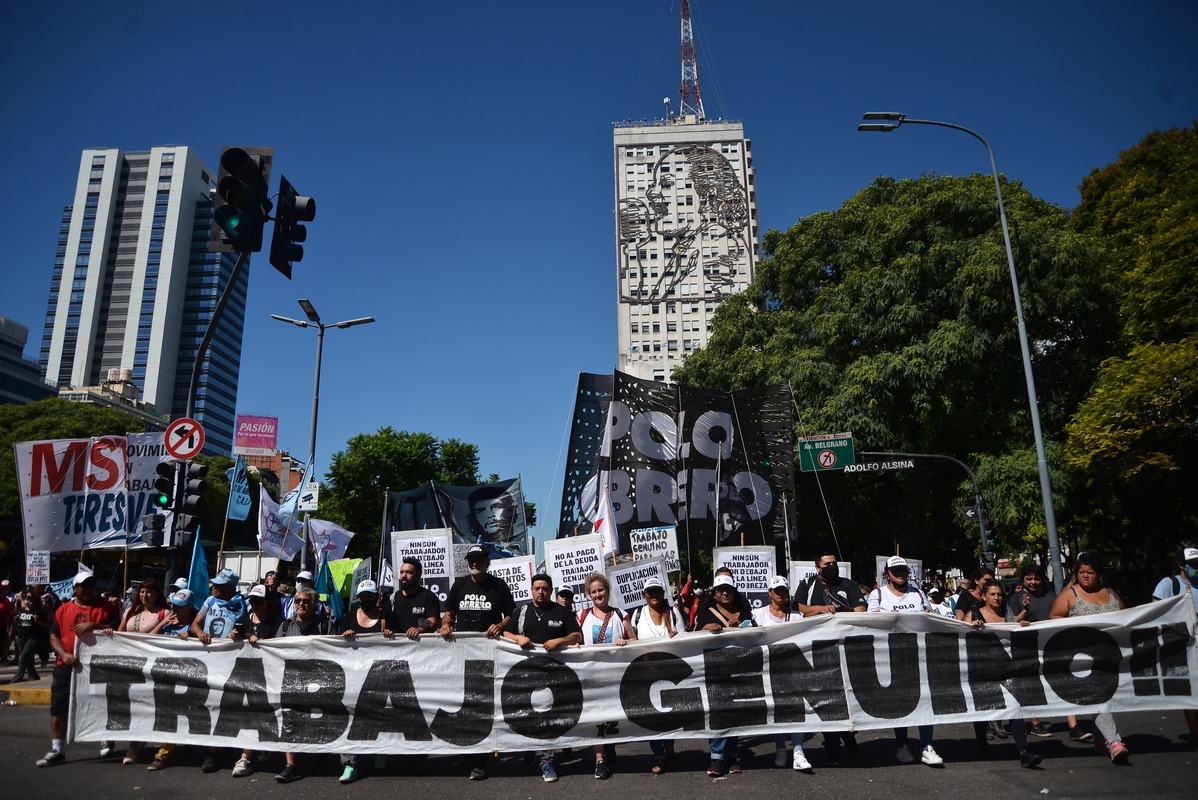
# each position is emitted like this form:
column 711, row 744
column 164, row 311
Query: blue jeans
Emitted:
column 660, row 746
column 796, row 741
column 723, row 748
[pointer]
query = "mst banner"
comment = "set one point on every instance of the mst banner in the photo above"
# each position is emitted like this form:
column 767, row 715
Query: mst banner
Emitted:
column 326, row 694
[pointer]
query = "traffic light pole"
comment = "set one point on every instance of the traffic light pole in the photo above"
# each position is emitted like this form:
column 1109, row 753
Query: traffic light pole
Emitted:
column 977, row 493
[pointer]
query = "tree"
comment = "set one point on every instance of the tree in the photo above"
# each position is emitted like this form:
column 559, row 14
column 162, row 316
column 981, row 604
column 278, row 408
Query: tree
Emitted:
column 359, row 477
column 892, row 318
column 1136, row 437
column 52, row 418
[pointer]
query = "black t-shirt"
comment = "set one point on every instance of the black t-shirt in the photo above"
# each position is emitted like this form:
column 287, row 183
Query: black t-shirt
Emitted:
column 478, row 606
column 542, row 624
column 26, row 627
column 264, row 629
column 1038, row 609
column 708, row 615
column 845, row 594
column 411, row 612
column 350, row 622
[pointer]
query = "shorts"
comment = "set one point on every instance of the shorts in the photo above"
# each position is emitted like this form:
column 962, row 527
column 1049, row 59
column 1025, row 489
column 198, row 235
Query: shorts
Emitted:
column 60, row 692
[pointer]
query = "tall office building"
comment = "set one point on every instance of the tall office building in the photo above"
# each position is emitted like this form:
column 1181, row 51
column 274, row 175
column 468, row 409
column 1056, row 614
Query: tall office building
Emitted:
column 686, row 235
column 142, row 287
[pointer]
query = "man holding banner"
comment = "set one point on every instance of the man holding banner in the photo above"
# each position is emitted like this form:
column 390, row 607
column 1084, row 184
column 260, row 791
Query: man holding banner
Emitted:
column 416, row 609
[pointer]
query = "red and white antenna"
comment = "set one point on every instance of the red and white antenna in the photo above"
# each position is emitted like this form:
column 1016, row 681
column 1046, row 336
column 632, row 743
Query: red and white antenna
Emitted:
column 692, row 103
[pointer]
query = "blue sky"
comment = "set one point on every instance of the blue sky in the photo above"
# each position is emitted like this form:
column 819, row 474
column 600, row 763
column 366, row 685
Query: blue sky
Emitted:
column 460, row 155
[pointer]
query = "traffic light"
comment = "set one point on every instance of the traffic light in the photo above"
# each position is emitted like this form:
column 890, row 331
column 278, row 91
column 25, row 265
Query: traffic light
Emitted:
column 990, row 541
column 285, row 247
column 242, row 200
column 193, row 495
column 154, row 526
column 164, row 486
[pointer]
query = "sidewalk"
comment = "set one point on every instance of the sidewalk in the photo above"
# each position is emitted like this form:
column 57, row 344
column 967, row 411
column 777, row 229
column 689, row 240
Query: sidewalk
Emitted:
column 27, row 692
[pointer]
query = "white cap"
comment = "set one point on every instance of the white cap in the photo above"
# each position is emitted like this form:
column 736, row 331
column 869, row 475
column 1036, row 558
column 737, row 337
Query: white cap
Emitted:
column 304, row 576
column 182, row 597
column 652, row 582
column 1190, row 554
column 181, row 583
column 367, row 587
column 896, row 561
column 778, row 582
column 723, row 580
column 83, row 576
column 258, row 590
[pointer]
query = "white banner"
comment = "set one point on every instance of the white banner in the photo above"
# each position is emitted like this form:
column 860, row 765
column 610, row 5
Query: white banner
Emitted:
column 37, row 567
column 274, row 539
column 752, row 568
column 73, row 493
column 145, row 452
column 570, row 562
column 329, row 538
column 431, row 548
column 627, row 580
column 660, row 542
column 473, row 694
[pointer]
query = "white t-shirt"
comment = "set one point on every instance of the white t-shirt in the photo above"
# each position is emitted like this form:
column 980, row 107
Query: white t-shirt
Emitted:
column 592, row 622
column 642, row 620
column 911, row 601
column 764, row 616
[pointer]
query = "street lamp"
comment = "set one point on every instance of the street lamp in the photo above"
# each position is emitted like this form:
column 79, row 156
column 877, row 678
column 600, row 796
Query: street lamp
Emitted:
column 886, row 121
column 314, row 321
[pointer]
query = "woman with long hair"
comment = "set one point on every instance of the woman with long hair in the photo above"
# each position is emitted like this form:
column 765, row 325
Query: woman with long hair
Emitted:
column 145, row 612
column 604, row 624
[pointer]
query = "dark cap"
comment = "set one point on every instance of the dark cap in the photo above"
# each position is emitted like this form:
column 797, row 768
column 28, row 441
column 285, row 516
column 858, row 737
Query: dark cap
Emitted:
column 478, row 550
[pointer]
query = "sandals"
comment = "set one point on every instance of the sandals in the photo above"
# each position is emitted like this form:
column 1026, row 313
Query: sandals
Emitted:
column 734, row 767
column 659, row 767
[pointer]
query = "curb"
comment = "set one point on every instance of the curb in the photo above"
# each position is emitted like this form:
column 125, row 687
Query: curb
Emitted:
column 37, row 693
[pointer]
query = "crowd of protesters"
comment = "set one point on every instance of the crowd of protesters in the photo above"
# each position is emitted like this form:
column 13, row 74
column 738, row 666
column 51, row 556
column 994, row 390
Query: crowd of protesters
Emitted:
column 481, row 602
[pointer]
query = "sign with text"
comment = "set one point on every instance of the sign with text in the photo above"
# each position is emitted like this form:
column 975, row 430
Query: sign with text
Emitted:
column 628, row 581
column 570, row 562
column 328, row 694
column 73, row 493
column 829, row 451
column 518, row 573
column 255, row 436
column 660, row 542
column 431, row 548
column 37, row 567
column 752, row 567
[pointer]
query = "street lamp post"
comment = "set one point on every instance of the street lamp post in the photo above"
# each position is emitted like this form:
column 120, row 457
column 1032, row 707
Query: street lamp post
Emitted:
column 314, row 321
column 886, row 121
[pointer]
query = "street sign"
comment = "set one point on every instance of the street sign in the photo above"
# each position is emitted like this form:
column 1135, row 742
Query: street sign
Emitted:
column 309, row 497
column 184, row 439
column 826, row 452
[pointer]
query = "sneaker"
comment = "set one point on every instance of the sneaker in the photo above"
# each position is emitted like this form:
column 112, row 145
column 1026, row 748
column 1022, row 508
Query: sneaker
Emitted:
column 1119, row 752
column 242, row 768
column 931, row 757
column 800, row 762
column 1039, row 729
column 478, row 774
column 289, row 774
column 155, row 765
column 1078, row 735
column 718, row 768
column 602, row 772
column 209, row 765
column 349, row 774
column 52, row 758
column 548, row 773
column 1028, row 759
column 780, row 758
column 105, row 749
column 903, row 755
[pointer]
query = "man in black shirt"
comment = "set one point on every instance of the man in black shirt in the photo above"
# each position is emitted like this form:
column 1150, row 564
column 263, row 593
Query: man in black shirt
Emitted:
column 480, row 602
column 550, row 625
column 416, row 609
column 826, row 592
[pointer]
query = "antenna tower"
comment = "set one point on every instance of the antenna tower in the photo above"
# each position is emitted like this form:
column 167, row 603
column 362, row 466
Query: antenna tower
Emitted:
column 692, row 103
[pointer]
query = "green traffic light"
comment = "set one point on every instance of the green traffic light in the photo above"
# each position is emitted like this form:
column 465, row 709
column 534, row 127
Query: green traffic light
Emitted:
column 230, row 221
column 161, row 500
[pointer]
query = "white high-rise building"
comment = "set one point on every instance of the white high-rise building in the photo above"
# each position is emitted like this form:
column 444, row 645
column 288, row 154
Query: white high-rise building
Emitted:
column 134, row 287
column 686, row 235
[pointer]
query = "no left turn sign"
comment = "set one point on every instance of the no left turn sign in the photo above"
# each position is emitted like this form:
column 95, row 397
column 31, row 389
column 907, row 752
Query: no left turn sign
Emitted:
column 184, row 439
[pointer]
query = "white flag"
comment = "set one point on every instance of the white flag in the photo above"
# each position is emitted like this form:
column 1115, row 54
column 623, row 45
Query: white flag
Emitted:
column 273, row 538
column 605, row 520
column 330, row 538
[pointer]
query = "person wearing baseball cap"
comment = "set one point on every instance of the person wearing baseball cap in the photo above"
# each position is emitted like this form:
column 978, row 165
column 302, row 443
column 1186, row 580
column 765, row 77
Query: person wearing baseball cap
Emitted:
column 365, row 616
column 725, row 613
column 779, row 612
column 480, row 602
column 898, row 596
column 1184, row 582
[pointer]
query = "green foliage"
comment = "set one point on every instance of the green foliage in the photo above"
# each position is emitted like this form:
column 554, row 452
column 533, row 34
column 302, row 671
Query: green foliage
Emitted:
column 359, row 476
column 52, row 418
column 1136, row 437
column 892, row 318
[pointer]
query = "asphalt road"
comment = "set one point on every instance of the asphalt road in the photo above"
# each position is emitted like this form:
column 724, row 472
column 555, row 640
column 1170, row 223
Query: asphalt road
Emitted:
column 1162, row 766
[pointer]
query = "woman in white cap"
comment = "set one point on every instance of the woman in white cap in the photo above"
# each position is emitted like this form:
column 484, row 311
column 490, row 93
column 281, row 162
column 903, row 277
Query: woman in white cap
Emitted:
column 726, row 612
column 657, row 619
column 779, row 612
column 898, row 596
column 366, row 616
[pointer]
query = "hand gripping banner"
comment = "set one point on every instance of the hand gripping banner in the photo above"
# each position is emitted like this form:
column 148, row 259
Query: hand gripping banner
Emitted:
column 834, row 672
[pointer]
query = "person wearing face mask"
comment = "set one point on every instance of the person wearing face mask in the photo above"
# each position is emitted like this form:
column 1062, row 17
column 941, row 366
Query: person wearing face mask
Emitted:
column 898, row 596
column 826, row 592
column 1184, row 582
column 366, row 616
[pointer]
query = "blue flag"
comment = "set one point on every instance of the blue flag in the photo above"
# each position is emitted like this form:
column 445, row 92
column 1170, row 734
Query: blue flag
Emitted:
column 287, row 507
column 239, row 491
column 197, row 576
column 325, row 585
